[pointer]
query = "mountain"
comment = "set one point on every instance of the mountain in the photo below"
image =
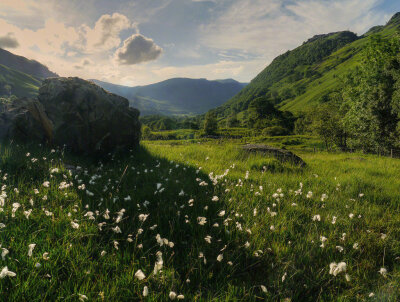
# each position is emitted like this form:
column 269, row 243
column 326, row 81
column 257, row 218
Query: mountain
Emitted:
column 19, row 83
column 25, row 65
column 20, row 76
column 178, row 95
column 309, row 74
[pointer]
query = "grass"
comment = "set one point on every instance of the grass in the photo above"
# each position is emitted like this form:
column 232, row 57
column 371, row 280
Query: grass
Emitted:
column 267, row 245
column 23, row 85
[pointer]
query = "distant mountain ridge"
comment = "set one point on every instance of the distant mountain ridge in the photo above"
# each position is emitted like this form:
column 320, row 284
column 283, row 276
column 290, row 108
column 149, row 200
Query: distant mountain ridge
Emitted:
column 177, row 96
column 22, row 64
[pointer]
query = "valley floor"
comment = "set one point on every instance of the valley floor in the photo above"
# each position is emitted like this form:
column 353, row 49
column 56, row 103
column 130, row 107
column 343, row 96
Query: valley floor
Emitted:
column 198, row 221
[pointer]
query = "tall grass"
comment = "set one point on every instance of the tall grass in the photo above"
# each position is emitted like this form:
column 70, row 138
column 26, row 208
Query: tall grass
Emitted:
column 262, row 219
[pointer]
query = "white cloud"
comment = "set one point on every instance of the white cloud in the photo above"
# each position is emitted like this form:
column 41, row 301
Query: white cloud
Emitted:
column 62, row 47
column 8, row 41
column 106, row 33
column 137, row 49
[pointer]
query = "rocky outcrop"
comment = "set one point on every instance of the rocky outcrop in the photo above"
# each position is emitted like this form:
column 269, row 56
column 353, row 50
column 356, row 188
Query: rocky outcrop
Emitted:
column 280, row 154
column 74, row 113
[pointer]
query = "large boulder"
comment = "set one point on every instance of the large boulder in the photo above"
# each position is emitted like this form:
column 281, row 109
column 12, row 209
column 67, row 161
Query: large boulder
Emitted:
column 280, row 154
column 74, row 113
column 87, row 118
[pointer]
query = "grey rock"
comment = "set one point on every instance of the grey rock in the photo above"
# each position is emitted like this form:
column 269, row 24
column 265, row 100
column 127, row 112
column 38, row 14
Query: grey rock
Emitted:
column 280, row 154
column 74, row 113
column 25, row 119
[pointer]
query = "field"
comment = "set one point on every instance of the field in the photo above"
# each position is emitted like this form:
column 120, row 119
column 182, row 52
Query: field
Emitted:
column 198, row 221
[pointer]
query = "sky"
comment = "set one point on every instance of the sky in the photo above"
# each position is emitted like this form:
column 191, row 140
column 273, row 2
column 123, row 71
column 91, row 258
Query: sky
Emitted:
column 139, row 42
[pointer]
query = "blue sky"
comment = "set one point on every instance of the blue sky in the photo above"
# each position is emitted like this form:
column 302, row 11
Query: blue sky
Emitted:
column 136, row 42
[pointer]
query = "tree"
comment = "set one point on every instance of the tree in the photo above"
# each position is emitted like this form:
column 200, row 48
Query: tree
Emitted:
column 371, row 97
column 210, row 123
column 233, row 121
column 261, row 112
column 327, row 124
column 146, row 132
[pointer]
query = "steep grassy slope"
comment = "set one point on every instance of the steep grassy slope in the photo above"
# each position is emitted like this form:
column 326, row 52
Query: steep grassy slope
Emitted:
column 305, row 76
column 22, row 84
column 178, row 95
column 25, row 65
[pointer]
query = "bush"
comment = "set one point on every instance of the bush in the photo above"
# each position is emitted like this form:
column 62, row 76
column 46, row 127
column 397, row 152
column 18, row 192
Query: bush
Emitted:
column 275, row 131
column 291, row 142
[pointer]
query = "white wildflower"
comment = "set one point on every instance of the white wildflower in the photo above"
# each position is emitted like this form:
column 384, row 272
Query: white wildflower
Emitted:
column 145, row 291
column 140, row 275
column 74, row 225
column 30, row 249
column 383, row 271
column 172, row 295
column 201, row 220
column 5, row 272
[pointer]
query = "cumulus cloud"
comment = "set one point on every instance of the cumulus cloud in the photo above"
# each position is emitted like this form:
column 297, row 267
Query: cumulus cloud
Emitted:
column 106, row 33
column 8, row 41
column 137, row 49
column 84, row 63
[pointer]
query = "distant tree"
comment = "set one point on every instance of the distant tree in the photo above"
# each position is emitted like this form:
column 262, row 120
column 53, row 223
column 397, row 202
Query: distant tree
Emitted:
column 261, row 112
column 327, row 124
column 233, row 121
column 210, row 123
column 146, row 132
column 275, row 131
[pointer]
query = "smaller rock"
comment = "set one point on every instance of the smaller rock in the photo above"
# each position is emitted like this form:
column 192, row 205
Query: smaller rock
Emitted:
column 280, row 154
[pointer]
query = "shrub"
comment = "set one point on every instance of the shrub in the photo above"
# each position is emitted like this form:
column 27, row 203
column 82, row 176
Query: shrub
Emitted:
column 275, row 131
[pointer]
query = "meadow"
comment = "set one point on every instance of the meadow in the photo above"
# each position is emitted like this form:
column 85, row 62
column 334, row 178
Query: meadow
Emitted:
column 198, row 220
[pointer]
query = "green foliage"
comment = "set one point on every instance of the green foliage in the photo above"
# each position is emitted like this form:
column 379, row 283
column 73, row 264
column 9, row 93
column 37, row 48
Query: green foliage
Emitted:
column 160, row 122
column 233, row 121
column 262, row 114
column 146, row 132
column 275, row 131
column 326, row 122
column 371, row 97
column 210, row 124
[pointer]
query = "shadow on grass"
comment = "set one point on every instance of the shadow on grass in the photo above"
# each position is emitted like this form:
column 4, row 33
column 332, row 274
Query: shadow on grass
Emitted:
column 204, row 253
column 170, row 193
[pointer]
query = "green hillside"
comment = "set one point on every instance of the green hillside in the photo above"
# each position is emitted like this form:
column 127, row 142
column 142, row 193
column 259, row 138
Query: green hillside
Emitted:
column 308, row 75
column 25, row 65
column 19, row 84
